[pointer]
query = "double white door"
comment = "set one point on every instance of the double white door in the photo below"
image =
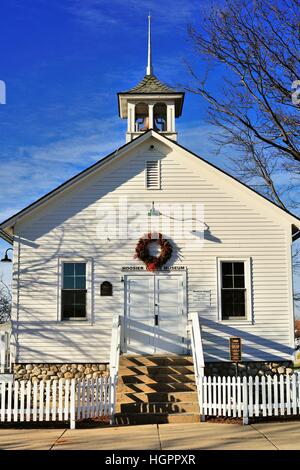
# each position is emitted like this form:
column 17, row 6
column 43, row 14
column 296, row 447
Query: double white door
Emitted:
column 155, row 318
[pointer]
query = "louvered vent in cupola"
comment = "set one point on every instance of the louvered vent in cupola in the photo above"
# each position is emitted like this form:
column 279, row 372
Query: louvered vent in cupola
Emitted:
column 153, row 174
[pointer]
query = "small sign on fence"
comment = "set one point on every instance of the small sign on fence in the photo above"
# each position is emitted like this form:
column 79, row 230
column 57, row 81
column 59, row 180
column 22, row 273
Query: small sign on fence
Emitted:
column 235, row 349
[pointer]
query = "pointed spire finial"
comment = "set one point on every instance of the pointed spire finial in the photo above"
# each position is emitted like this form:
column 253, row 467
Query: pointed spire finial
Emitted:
column 149, row 70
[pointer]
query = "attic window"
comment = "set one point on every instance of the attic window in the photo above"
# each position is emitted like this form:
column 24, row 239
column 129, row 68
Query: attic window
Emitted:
column 153, row 174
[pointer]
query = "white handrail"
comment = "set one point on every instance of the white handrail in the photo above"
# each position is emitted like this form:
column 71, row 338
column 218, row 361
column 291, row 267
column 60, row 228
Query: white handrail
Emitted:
column 115, row 351
column 197, row 351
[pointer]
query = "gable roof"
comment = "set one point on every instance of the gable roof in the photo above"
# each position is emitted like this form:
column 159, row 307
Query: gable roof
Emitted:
column 7, row 224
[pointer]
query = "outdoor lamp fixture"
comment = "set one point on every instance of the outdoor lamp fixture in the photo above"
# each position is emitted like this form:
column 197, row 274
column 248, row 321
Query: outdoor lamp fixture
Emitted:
column 6, row 259
column 153, row 211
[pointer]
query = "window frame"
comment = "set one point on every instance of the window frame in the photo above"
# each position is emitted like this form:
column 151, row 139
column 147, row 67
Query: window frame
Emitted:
column 89, row 287
column 248, row 287
column 157, row 160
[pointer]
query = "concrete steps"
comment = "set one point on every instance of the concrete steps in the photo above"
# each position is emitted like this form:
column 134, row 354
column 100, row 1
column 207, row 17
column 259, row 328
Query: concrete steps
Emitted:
column 156, row 389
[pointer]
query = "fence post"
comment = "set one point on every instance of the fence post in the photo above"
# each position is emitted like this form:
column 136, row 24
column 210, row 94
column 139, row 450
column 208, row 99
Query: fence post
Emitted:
column 245, row 401
column 72, row 404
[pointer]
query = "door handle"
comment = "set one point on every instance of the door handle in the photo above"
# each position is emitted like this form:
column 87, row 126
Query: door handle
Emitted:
column 156, row 320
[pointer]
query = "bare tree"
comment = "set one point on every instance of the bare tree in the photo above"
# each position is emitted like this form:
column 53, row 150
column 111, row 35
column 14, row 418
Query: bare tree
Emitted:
column 258, row 44
column 5, row 302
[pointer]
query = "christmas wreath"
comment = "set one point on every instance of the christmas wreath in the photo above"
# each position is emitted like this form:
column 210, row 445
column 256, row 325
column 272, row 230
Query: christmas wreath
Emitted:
column 153, row 262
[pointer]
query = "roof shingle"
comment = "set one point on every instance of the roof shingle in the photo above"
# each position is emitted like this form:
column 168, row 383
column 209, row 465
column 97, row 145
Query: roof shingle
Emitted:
column 150, row 84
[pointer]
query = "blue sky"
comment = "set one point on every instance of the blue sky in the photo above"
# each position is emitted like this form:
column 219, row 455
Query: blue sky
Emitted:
column 63, row 63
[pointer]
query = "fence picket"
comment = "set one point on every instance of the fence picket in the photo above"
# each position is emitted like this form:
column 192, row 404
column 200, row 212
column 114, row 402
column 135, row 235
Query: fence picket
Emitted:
column 54, row 398
column 214, row 395
column 288, row 394
column 97, row 407
column 16, row 401
column 250, row 397
column 234, row 397
column 41, row 400
column 276, row 403
column 224, row 395
column 79, row 392
column 270, row 407
column 228, row 396
column 204, row 407
column 28, row 400
column 294, row 394
column 209, row 395
column 239, row 397
column 2, row 398
column 60, row 399
column 263, row 392
column 256, row 385
column 282, row 399
column 219, row 396
column 22, row 399
column 66, row 401
column 35, row 401
column 9, row 401
column 47, row 408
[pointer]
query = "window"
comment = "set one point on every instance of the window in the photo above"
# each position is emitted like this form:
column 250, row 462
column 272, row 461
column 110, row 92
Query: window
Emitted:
column 234, row 292
column 73, row 294
column 152, row 174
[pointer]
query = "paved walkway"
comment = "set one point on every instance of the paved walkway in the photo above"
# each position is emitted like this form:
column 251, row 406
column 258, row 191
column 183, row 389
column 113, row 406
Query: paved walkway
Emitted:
column 209, row 436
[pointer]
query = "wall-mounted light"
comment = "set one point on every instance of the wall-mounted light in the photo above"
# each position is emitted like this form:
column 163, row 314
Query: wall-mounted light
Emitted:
column 6, row 259
column 153, row 211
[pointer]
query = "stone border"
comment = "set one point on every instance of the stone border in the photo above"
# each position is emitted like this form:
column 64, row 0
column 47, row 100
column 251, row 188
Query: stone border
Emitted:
column 37, row 372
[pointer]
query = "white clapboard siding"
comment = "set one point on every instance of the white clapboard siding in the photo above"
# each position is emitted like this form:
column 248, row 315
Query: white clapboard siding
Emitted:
column 61, row 400
column 250, row 397
column 70, row 226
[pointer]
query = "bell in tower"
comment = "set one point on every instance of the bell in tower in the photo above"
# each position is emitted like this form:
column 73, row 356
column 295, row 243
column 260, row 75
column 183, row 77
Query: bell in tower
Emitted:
column 150, row 104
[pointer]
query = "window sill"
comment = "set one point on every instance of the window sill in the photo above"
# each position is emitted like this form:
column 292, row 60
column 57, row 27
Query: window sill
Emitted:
column 77, row 321
column 236, row 322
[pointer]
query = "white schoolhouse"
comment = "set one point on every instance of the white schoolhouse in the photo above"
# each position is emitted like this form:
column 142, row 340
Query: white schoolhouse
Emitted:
column 152, row 233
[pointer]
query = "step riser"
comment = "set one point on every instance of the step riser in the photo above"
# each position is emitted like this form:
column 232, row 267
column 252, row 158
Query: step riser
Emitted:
column 157, row 419
column 157, row 397
column 156, row 361
column 156, row 370
column 136, row 379
column 156, row 387
column 157, row 408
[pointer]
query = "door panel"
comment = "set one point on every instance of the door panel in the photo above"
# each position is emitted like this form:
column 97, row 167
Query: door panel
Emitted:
column 169, row 308
column 139, row 322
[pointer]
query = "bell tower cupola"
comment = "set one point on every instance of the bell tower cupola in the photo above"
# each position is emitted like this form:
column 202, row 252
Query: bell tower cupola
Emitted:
column 150, row 104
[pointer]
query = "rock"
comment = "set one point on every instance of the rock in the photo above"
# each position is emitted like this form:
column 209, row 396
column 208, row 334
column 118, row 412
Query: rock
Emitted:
column 102, row 367
column 289, row 370
column 95, row 368
column 68, row 375
column 63, row 369
column 29, row 367
column 53, row 368
column 281, row 370
column 36, row 371
column 88, row 371
column 80, row 368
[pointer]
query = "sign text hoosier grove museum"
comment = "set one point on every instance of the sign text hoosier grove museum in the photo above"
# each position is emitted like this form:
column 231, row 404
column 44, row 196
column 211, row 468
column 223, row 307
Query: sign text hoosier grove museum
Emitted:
column 143, row 268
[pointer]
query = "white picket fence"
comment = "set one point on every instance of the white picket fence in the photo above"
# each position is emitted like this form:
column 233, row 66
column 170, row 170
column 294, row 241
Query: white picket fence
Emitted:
column 61, row 400
column 250, row 397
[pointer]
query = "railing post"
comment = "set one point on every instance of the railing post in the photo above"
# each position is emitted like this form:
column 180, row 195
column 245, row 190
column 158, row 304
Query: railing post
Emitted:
column 245, row 401
column 72, row 404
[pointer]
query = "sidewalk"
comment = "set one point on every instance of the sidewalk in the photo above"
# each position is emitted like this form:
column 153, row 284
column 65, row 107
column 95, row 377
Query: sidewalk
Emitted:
column 205, row 436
